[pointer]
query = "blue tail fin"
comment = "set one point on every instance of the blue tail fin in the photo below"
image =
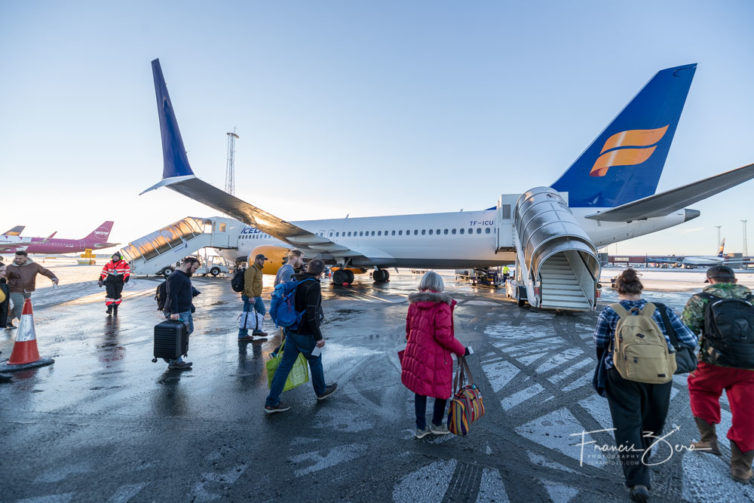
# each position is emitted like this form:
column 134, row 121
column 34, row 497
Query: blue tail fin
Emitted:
column 175, row 162
column 625, row 162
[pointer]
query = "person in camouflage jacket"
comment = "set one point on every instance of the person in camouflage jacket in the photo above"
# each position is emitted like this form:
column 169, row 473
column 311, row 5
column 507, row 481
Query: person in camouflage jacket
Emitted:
column 707, row 382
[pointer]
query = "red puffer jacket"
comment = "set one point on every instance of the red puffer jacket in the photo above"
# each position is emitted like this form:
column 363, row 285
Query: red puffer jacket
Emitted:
column 427, row 365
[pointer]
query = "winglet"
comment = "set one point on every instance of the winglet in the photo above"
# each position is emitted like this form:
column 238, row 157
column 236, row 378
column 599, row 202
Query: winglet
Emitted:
column 175, row 162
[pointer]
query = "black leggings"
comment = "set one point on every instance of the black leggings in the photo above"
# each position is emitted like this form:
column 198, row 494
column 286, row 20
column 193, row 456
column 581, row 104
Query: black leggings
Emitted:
column 421, row 411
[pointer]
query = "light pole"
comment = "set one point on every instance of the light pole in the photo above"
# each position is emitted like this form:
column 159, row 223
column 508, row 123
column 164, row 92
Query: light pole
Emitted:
column 746, row 247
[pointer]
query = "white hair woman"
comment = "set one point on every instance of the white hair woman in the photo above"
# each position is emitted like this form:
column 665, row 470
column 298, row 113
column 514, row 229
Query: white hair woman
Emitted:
column 427, row 365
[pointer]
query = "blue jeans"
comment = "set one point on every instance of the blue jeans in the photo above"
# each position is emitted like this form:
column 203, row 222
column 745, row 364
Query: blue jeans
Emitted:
column 295, row 344
column 258, row 306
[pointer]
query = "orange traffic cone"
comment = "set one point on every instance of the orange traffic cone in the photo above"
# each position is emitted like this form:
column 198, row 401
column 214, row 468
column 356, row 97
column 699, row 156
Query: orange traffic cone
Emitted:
column 25, row 354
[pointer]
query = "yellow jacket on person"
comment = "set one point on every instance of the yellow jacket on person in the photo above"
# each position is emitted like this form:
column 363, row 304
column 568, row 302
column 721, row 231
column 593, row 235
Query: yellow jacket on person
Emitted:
column 252, row 281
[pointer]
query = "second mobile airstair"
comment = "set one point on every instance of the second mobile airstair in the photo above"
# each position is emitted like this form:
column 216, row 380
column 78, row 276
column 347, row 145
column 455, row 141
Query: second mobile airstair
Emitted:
column 159, row 251
column 557, row 266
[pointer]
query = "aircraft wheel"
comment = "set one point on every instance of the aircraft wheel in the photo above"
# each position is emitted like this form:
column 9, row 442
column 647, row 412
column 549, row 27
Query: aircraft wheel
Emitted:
column 387, row 274
column 339, row 277
column 349, row 276
column 214, row 271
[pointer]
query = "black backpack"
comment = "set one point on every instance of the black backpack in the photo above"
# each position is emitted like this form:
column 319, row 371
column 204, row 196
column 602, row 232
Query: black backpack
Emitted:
column 237, row 283
column 160, row 295
column 728, row 332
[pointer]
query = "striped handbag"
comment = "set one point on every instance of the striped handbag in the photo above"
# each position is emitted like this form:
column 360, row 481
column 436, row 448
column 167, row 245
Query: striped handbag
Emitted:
column 467, row 405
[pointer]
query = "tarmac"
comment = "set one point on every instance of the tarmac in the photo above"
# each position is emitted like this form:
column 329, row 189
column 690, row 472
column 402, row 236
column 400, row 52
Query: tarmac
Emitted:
column 105, row 424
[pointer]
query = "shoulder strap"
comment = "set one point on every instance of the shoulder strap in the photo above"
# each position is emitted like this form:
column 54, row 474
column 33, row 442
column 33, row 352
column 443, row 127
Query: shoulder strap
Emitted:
column 668, row 326
column 649, row 310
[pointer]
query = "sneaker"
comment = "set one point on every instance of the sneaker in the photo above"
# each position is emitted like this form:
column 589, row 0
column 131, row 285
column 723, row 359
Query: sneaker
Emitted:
column 259, row 333
column 180, row 366
column 422, row 433
column 280, row 407
column 439, row 430
column 639, row 493
column 329, row 390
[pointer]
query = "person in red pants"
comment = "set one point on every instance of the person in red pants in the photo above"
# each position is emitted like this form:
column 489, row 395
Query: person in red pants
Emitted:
column 724, row 315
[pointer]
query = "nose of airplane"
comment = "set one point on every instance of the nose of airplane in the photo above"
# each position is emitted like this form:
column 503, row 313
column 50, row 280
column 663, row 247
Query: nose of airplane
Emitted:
column 691, row 214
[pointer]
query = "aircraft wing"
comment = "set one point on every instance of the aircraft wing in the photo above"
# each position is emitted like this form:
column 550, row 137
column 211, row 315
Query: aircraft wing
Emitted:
column 178, row 176
column 662, row 204
column 249, row 214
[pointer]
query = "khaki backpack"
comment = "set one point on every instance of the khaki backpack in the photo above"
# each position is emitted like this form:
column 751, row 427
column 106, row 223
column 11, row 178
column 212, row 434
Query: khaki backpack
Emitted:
column 640, row 350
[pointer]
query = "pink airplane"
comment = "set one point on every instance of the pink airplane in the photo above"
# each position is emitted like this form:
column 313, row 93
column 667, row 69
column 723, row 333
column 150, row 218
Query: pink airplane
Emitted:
column 96, row 240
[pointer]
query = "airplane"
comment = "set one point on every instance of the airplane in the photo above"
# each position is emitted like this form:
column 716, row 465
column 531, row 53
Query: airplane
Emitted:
column 95, row 240
column 610, row 191
column 15, row 231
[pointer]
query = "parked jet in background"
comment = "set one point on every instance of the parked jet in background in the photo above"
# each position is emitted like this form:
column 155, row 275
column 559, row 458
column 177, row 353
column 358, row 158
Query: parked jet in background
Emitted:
column 95, row 240
column 15, row 231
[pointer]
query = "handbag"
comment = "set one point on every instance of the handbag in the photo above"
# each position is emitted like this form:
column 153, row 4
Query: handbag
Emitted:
column 298, row 375
column 250, row 320
column 685, row 357
column 467, row 405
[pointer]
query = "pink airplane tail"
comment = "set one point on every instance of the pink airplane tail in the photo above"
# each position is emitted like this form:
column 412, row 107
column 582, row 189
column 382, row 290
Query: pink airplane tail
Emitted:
column 101, row 233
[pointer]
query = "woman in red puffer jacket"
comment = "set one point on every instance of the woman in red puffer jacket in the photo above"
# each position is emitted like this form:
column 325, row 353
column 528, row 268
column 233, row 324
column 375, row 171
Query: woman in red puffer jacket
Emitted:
column 427, row 365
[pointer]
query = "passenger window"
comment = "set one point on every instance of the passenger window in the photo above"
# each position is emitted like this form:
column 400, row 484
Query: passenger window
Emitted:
column 393, row 233
column 349, row 234
column 372, row 233
column 438, row 231
column 478, row 230
column 379, row 233
column 487, row 230
column 445, row 231
column 424, row 231
column 471, row 231
column 400, row 233
column 361, row 233
column 430, row 232
column 452, row 231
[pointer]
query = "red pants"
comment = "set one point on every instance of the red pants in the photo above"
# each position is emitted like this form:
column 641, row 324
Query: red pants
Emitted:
column 707, row 383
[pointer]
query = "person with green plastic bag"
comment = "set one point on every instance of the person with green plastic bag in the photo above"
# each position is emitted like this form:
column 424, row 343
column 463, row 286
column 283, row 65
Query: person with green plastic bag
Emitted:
column 306, row 339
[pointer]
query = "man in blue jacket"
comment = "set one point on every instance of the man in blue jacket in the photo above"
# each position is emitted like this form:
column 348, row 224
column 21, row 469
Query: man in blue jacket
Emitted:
column 178, row 301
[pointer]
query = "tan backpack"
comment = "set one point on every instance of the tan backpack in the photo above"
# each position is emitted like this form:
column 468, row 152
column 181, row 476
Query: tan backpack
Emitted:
column 640, row 350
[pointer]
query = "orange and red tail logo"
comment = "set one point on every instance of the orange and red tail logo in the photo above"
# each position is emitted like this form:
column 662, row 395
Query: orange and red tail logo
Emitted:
column 627, row 148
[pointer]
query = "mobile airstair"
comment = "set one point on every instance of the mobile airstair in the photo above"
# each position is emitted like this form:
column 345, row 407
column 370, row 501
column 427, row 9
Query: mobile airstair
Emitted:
column 557, row 265
column 159, row 251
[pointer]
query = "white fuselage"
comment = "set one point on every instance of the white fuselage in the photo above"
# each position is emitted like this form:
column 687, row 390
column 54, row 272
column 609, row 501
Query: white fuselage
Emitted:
column 444, row 240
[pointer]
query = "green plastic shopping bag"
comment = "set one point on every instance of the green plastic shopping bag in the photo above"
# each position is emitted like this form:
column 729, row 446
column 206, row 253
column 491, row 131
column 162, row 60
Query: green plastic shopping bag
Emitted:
column 299, row 373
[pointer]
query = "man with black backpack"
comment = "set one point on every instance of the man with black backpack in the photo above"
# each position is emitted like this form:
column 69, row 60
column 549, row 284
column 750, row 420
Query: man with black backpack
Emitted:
column 303, row 339
column 724, row 315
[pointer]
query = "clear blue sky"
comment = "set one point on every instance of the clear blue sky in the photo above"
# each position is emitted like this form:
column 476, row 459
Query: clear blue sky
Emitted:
column 366, row 108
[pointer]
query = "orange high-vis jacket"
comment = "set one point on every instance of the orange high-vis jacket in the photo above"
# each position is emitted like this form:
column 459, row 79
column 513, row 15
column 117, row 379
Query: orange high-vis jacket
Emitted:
column 120, row 268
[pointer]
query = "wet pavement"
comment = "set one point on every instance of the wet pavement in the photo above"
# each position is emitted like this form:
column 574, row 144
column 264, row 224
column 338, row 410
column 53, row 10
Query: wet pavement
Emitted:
column 104, row 423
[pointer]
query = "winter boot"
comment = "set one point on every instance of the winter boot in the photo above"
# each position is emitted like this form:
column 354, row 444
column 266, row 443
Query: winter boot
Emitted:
column 109, row 309
column 708, row 443
column 740, row 463
column 115, row 309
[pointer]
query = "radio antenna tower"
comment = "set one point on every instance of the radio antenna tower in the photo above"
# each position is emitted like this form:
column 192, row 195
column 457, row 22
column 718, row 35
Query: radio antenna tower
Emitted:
column 230, row 167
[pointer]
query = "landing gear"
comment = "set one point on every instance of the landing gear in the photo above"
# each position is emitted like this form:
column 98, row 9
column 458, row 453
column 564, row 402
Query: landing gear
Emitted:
column 381, row 276
column 341, row 276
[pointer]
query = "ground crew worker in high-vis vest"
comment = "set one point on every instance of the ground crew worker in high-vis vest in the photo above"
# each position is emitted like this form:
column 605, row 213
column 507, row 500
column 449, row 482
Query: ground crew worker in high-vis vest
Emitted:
column 113, row 276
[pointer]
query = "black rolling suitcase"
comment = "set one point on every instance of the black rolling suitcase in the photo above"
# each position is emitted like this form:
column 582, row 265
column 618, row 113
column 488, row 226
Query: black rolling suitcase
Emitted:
column 170, row 340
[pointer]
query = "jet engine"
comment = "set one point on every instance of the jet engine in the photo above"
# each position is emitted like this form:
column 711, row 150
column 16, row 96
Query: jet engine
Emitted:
column 276, row 256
